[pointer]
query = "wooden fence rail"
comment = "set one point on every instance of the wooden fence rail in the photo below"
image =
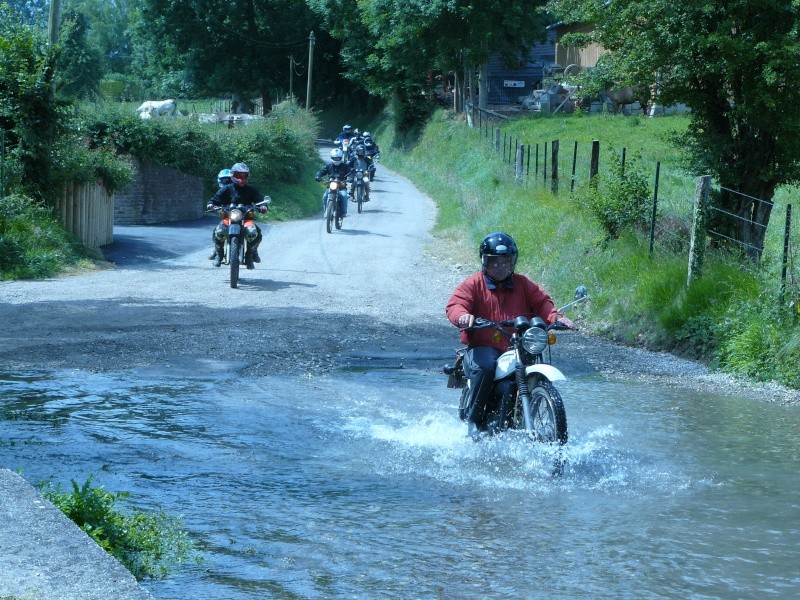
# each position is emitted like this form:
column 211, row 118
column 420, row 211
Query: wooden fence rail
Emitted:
column 87, row 210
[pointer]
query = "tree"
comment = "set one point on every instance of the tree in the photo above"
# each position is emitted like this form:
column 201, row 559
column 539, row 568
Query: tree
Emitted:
column 735, row 64
column 30, row 12
column 192, row 48
column 108, row 23
column 392, row 47
column 29, row 112
column 78, row 70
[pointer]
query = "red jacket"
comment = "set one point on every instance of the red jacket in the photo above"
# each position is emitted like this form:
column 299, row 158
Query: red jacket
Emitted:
column 478, row 296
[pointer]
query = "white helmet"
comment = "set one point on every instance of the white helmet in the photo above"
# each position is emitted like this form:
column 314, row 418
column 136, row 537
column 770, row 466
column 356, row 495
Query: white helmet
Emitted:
column 336, row 155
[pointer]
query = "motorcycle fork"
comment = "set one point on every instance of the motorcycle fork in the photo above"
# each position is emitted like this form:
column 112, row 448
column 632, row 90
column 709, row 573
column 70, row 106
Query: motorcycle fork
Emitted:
column 523, row 393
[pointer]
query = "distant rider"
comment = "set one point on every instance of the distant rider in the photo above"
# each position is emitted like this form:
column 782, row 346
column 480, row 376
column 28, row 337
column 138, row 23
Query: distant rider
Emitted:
column 223, row 179
column 346, row 134
column 360, row 154
column 339, row 169
column 237, row 192
column 371, row 146
column 495, row 293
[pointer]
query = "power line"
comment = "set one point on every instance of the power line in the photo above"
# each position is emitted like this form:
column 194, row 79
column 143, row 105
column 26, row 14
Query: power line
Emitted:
column 255, row 42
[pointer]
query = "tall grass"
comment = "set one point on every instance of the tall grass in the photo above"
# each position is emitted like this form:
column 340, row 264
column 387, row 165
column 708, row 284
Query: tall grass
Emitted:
column 637, row 298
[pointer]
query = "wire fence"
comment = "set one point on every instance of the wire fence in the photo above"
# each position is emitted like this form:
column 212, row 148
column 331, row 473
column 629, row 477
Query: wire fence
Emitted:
column 573, row 167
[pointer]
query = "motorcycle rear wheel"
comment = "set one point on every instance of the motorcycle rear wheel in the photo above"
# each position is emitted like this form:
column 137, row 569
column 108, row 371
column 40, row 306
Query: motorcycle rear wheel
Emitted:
column 234, row 259
column 547, row 411
column 329, row 216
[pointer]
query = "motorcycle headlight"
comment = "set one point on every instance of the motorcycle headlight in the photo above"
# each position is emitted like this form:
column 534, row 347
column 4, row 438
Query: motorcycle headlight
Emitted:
column 236, row 215
column 333, row 185
column 365, row 179
column 534, row 340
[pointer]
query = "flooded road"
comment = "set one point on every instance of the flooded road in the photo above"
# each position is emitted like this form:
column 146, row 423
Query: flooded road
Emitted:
column 300, row 426
column 362, row 484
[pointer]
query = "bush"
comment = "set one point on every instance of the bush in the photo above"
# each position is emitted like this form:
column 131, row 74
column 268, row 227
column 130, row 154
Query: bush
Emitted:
column 279, row 148
column 33, row 243
column 620, row 200
column 147, row 544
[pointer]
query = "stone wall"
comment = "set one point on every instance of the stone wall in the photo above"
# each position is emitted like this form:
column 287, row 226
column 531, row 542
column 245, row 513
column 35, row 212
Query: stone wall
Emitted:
column 159, row 194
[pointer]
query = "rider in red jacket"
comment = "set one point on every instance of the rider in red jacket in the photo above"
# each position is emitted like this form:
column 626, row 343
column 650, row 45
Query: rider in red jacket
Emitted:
column 495, row 293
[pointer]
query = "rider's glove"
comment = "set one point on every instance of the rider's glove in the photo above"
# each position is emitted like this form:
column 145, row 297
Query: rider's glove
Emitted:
column 210, row 206
column 317, row 178
column 262, row 209
column 565, row 323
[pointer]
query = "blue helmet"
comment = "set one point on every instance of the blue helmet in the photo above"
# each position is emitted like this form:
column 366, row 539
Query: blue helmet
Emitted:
column 224, row 177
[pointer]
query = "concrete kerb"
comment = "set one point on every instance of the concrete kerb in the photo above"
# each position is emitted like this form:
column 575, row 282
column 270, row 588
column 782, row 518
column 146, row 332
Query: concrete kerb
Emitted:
column 45, row 556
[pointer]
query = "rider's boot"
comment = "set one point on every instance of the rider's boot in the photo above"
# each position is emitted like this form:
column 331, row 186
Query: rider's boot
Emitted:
column 214, row 253
column 219, row 252
column 256, row 257
column 248, row 259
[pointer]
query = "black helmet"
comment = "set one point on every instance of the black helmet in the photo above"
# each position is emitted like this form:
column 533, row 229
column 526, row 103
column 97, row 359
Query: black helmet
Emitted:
column 361, row 150
column 499, row 244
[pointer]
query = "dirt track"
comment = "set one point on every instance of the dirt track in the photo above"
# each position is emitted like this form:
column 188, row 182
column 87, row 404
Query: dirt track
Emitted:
column 370, row 294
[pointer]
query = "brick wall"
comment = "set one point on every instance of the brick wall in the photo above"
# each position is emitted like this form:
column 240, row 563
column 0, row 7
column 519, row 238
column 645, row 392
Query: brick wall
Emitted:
column 159, row 194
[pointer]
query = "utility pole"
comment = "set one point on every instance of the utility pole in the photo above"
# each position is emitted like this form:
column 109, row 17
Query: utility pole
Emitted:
column 291, row 77
column 52, row 30
column 310, row 63
column 52, row 25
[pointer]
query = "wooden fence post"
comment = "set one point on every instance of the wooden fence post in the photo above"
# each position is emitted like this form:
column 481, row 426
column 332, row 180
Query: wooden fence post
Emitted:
column 786, row 237
column 655, row 205
column 574, row 162
column 497, row 139
column 697, row 244
column 520, row 154
column 594, row 166
column 554, row 167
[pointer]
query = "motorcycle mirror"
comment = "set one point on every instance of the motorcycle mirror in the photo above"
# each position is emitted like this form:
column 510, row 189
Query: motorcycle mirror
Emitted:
column 580, row 292
column 267, row 199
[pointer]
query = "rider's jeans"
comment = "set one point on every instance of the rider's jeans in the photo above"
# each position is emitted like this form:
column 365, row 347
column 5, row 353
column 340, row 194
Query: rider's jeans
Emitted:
column 343, row 199
column 479, row 368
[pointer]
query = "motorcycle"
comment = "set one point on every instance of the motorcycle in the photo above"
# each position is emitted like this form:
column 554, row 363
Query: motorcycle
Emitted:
column 360, row 182
column 523, row 394
column 345, row 145
column 376, row 158
column 332, row 214
column 235, row 216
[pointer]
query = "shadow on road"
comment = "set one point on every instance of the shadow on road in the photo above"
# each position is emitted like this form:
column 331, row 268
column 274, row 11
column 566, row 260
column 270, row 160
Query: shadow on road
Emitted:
column 139, row 244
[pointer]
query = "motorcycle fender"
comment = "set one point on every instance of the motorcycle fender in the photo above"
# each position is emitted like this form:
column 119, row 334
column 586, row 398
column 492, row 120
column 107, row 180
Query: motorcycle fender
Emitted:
column 549, row 372
column 234, row 229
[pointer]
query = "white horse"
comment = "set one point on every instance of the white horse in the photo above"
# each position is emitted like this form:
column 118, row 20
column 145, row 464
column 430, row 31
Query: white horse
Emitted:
column 157, row 108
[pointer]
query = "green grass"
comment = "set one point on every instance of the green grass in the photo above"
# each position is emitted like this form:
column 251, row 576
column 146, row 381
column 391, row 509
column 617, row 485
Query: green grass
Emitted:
column 34, row 245
column 637, row 298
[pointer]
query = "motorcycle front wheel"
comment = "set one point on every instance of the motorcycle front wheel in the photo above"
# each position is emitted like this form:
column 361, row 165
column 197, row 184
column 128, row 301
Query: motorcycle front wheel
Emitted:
column 338, row 218
column 547, row 412
column 234, row 259
column 329, row 216
column 360, row 196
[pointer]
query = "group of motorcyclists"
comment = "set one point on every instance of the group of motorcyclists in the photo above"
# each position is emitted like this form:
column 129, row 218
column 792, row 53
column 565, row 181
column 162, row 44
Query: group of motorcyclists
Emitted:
column 495, row 292
column 349, row 155
column 353, row 150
